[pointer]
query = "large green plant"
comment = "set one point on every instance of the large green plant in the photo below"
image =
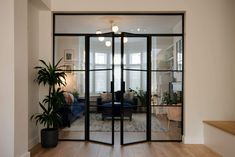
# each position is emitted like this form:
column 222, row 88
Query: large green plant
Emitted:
column 53, row 77
column 141, row 95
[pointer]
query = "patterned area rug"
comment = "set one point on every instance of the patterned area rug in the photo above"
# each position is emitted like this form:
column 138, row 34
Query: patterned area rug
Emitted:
column 137, row 124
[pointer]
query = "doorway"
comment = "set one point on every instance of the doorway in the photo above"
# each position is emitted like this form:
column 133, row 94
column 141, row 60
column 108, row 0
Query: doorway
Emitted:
column 129, row 90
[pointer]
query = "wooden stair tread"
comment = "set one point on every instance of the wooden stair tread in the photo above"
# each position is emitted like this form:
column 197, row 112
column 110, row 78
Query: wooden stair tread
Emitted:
column 227, row 126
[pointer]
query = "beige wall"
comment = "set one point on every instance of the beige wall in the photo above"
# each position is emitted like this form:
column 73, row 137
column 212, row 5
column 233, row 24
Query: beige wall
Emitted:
column 39, row 41
column 33, row 61
column 14, row 82
column 7, row 78
column 21, row 78
column 209, row 53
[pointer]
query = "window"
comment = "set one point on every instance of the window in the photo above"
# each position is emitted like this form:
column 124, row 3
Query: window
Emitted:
column 100, row 58
column 135, row 58
column 179, row 54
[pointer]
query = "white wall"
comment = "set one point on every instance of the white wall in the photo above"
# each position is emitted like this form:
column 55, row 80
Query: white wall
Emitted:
column 7, row 78
column 219, row 141
column 209, row 53
column 14, row 82
column 47, row 3
column 21, row 78
column 39, row 41
column 32, row 62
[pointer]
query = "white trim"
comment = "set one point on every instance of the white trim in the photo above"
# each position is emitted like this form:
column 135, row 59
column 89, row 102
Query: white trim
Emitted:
column 27, row 154
column 33, row 142
column 193, row 140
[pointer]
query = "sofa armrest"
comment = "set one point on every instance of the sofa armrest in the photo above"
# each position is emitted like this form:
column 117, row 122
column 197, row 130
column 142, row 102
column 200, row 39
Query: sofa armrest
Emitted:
column 99, row 101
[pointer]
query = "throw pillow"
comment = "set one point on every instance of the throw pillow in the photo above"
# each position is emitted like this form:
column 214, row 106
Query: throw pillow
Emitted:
column 129, row 96
column 106, row 96
column 69, row 98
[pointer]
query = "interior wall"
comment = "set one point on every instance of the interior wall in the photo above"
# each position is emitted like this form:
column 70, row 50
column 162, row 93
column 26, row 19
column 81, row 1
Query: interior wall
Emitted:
column 7, row 79
column 209, row 53
column 33, row 61
column 40, row 44
column 21, row 78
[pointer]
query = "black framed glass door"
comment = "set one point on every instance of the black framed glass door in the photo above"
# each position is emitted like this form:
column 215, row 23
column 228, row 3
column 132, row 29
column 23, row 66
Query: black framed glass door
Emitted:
column 99, row 88
column 135, row 88
column 158, row 74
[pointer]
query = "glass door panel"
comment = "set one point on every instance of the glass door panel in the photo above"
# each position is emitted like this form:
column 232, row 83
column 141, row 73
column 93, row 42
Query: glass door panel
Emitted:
column 166, row 106
column 72, row 51
column 134, row 89
column 167, row 53
column 167, row 88
column 101, row 95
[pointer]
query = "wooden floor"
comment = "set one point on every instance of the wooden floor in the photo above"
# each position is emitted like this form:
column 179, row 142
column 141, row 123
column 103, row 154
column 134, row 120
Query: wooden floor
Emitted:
column 150, row 149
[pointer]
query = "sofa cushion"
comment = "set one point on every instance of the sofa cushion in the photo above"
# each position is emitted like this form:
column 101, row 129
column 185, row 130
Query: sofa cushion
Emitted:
column 129, row 96
column 106, row 96
column 69, row 98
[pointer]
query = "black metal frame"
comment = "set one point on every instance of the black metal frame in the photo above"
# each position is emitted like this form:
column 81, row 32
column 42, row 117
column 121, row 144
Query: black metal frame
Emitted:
column 87, row 88
column 149, row 71
column 148, row 50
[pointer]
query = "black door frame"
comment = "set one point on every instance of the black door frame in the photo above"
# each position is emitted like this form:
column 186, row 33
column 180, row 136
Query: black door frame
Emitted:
column 87, row 85
column 148, row 79
column 149, row 37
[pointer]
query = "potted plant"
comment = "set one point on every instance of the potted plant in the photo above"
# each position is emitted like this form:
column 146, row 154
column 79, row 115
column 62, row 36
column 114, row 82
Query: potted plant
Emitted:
column 142, row 97
column 53, row 77
column 166, row 100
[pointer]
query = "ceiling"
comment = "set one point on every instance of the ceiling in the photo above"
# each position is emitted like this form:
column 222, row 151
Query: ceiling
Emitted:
column 140, row 24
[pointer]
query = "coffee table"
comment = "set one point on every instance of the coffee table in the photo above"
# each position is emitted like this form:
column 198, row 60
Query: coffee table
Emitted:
column 106, row 110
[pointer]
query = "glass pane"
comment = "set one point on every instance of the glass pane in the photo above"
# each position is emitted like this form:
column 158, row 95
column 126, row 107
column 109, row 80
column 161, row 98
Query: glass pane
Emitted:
column 72, row 50
column 135, row 55
column 139, row 24
column 135, row 106
column 74, row 110
column 166, row 104
column 100, row 53
column 100, row 106
column 135, row 79
column 167, row 53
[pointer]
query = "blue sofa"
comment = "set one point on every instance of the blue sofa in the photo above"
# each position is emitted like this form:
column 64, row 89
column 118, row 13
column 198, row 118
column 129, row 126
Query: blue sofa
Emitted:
column 71, row 112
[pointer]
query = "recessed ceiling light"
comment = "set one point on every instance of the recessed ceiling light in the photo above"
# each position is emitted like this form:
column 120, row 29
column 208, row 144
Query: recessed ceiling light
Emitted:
column 138, row 29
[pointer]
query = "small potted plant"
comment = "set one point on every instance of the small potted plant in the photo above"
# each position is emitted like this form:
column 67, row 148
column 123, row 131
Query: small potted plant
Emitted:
column 142, row 97
column 166, row 100
column 53, row 77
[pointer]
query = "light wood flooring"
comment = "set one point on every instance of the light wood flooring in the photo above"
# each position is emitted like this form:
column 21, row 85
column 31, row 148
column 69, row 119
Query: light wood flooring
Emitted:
column 174, row 133
column 150, row 149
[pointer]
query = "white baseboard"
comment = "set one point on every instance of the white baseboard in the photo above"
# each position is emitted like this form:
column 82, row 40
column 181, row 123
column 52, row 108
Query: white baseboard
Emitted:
column 192, row 140
column 33, row 142
column 27, row 154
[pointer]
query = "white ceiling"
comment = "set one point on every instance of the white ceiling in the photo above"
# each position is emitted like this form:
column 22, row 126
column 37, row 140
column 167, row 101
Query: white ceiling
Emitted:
column 146, row 23
column 126, row 23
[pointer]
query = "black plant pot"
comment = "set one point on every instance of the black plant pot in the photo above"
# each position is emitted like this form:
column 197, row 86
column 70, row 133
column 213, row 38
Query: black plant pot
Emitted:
column 49, row 137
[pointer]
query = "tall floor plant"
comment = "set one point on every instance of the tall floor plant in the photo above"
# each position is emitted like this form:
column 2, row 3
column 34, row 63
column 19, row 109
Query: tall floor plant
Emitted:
column 53, row 77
